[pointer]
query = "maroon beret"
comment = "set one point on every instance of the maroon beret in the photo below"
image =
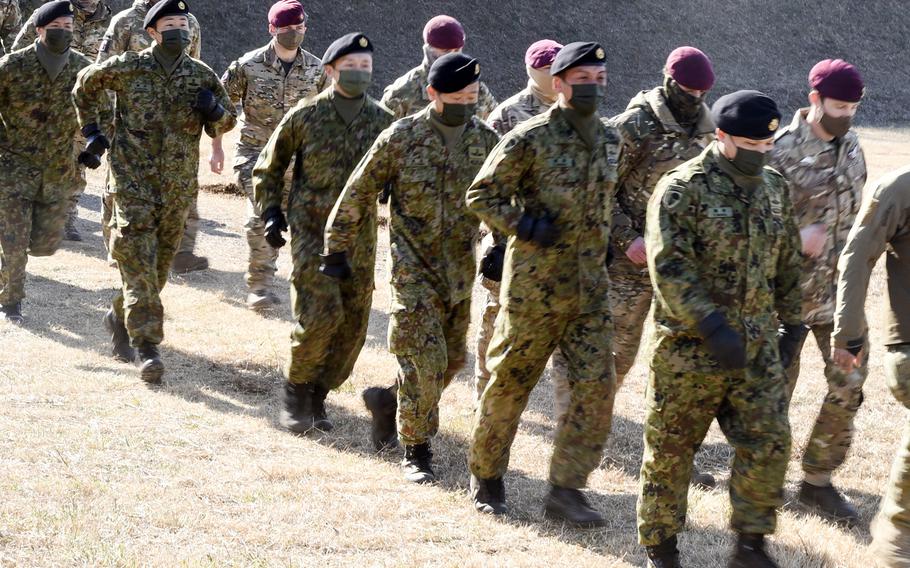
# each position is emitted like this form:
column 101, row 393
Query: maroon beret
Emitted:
column 444, row 32
column 691, row 68
column 542, row 53
column 837, row 79
column 286, row 13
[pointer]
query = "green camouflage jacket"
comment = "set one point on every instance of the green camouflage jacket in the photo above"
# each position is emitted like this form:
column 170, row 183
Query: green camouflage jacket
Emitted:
column 10, row 18
column 408, row 94
column 126, row 33
column 88, row 29
column 514, row 110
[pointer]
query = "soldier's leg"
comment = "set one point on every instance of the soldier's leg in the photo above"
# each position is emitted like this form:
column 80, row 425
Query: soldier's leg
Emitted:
column 521, row 345
column 262, row 261
column 318, row 309
column 630, row 301
column 562, row 392
column 191, row 228
column 792, row 372
column 15, row 231
column 484, row 335
column 107, row 222
column 184, row 260
column 681, row 406
column 458, row 319
column 48, row 220
column 71, row 232
column 349, row 338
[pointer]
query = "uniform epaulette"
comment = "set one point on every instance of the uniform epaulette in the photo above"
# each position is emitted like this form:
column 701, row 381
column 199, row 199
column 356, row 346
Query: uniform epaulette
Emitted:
column 251, row 55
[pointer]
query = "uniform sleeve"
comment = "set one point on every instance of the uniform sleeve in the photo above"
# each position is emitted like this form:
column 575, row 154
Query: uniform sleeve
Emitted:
column 359, row 195
column 4, row 82
column 114, row 42
column 11, row 18
column 486, row 102
column 229, row 119
column 787, row 293
column 234, row 81
column 392, row 101
column 27, row 35
column 623, row 228
column 670, row 233
column 275, row 158
column 89, row 93
column 498, row 181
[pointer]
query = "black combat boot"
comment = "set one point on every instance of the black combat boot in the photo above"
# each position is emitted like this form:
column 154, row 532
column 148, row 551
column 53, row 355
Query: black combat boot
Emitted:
column 489, row 495
column 151, row 368
column 703, row 480
column 664, row 555
column 417, row 464
column 750, row 552
column 828, row 501
column 320, row 420
column 382, row 404
column 297, row 414
column 12, row 313
column 570, row 506
column 120, row 339
column 70, row 232
column 186, row 262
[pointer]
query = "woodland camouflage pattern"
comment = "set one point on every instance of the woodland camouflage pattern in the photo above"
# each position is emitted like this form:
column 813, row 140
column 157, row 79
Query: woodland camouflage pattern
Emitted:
column 710, row 248
column 553, row 297
column 126, row 33
column 331, row 316
column 516, row 109
column 10, row 18
column 432, row 277
column 408, row 94
column 88, row 29
column 39, row 174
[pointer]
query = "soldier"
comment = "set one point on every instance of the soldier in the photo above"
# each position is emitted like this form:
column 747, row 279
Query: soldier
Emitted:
column 819, row 154
column 428, row 159
column 408, row 94
column 534, row 99
column 549, row 186
column 267, row 83
column 328, row 135
column 723, row 255
column 164, row 99
column 39, row 123
column 883, row 224
column 10, row 19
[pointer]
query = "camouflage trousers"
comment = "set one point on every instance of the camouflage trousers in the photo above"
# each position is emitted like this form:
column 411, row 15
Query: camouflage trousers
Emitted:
column 191, row 228
column 78, row 190
column 331, row 327
column 263, row 259
column 144, row 240
column 27, row 227
column 522, row 343
column 891, row 529
column 685, row 393
column 430, row 343
column 832, row 434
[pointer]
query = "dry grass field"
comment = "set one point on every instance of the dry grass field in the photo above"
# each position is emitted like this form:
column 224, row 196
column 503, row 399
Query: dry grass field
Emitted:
column 96, row 469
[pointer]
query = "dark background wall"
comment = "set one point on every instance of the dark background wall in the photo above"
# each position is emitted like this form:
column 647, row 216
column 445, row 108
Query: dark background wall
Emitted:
column 768, row 45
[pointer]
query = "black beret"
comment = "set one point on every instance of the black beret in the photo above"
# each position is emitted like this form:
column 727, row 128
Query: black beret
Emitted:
column 163, row 9
column 453, row 72
column 49, row 12
column 576, row 54
column 749, row 114
column 346, row 45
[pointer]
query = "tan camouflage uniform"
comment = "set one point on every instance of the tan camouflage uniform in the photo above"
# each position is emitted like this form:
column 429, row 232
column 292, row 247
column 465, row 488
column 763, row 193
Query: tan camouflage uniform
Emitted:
column 408, row 94
column 433, row 235
column 826, row 185
column 258, row 83
column 10, row 18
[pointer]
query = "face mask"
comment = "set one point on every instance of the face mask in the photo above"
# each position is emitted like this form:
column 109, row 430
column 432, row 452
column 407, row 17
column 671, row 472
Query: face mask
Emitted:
column 290, row 39
column 456, row 114
column 836, row 126
column 750, row 162
column 684, row 106
column 58, row 40
column 586, row 97
column 430, row 55
column 173, row 42
column 542, row 84
column 355, row 82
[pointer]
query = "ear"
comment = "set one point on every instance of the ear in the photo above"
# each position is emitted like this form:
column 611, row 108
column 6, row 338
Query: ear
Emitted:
column 432, row 93
column 815, row 98
column 272, row 29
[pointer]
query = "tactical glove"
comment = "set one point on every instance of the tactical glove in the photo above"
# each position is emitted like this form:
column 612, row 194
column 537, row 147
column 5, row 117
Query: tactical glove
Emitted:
column 542, row 231
column 208, row 106
column 789, row 339
column 491, row 264
column 335, row 265
column 275, row 224
column 726, row 346
column 95, row 146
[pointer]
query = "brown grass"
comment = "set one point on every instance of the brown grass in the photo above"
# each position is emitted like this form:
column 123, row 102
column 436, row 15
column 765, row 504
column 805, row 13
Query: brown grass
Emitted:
column 98, row 470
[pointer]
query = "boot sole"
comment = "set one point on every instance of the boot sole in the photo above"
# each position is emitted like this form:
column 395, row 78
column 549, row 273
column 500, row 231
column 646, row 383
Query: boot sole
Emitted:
column 493, row 510
column 559, row 518
column 152, row 374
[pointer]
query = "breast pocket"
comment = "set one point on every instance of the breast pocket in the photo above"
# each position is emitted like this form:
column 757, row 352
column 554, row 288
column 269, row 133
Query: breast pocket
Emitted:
column 414, row 189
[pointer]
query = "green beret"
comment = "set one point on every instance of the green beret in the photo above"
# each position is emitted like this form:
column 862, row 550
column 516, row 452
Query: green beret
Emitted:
column 49, row 12
column 453, row 72
column 163, row 9
column 749, row 114
column 577, row 54
column 345, row 45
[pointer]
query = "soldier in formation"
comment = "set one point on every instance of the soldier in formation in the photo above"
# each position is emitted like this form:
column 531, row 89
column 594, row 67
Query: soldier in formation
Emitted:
column 10, row 20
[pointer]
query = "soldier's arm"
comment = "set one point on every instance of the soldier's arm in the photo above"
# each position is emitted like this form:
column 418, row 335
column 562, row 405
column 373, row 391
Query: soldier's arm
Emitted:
column 11, row 20
column 787, row 294
column 234, row 81
column 809, row 187
column 323, row 80
column 26, row 36
column 486, row 103
column 89, row 93
column 498, row 181
column 229, row 119
column 392, row 101
column 358, row 199
column 670, row 235
column 275, row 158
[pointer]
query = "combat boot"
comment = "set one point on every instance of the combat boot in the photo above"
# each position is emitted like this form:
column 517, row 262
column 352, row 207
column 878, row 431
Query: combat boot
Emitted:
column 570, row 506
column 297, row 414
column 70, row 232
column 417, row 464
column 489, row 495
column 12, row 313
column 703, row 480
column 261, row 300
column 120, row 339
column 151, row 369
column 664, row 555
column 382, row 404
column 320, row 419
column 186, row 262
column 750, row 553
column 828, row 501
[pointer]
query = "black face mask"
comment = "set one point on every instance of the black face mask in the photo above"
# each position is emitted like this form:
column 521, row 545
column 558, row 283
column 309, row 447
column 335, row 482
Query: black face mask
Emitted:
column 57, row 40
column 684, row 106
column 355, row 82
column 586, row 97
column 836, row 126
column 750, row 162
column 290, row 39
column 173, row 42
column 456, row 114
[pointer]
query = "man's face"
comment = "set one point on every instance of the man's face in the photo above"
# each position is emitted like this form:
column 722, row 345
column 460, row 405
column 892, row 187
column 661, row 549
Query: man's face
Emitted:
column 61, row 23
column 300, row 28
column 353, row 62
column 169, row 23
column 467, row 96
column 694, row 92
column 835, row 108
column 732, row 143
column 581, row 75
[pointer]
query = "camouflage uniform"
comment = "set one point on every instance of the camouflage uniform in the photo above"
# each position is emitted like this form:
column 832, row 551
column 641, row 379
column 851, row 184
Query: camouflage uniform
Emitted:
column 408, row 94
column 551, row 297
column 331, row 316
column 258, row 83
column 713, row 245
column 125, row 33
column 826, row 185
column 432, row 249
column 154, row 159
column 10, row 18
column 36, row 186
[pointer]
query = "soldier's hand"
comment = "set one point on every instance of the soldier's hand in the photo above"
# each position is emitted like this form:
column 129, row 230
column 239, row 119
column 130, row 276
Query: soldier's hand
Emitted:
column 95, row 146
column 216, row 162
column 335, row 265
column 637, row 253
column 89, row 160
column 725, row 344
column 540, row 230
column 275, row 224
column 789, row 339
column 813, row 238
column 846, row 361
column 208, row 106
column 492, row 262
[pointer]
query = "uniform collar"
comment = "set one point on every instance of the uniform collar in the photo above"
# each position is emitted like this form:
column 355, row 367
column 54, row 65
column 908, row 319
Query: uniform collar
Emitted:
column 270, row 56
column 657, row 102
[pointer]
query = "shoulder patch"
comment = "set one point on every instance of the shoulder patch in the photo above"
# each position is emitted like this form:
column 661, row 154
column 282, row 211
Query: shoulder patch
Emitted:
column 672, row 198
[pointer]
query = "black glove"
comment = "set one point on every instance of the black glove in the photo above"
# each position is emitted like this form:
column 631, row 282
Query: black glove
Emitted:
column 789, row 338
column 95, row 147
column 335, row 265
column 491, row 264
column 855, row 346
column 540, row 230
column 208, row 106
column 275, row 224
column 725, row 344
